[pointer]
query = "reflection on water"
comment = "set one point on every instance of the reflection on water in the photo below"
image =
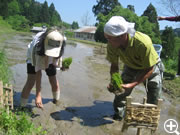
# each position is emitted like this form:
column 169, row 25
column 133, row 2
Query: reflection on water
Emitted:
column 16, row 48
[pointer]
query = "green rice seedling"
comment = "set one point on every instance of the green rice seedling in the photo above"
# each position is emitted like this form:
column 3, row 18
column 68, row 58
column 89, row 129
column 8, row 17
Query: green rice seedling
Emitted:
column 116, row 82
column 66, row 62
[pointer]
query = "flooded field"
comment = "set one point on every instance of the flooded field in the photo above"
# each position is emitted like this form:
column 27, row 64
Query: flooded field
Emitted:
column 85, row 101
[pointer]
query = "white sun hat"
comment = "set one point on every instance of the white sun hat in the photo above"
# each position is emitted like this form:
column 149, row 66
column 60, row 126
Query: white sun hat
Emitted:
column 117, row 26
column 53, row 44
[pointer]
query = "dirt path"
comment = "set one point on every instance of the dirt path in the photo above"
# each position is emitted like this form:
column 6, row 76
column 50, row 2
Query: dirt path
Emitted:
column 85, row 101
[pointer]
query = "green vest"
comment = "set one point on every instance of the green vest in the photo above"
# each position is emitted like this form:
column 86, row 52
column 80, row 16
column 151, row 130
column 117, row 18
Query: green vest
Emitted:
column 139, row 54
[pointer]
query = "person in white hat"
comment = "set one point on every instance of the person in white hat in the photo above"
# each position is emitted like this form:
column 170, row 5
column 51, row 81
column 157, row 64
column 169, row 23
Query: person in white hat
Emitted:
column 141, row 61
column 44, row 53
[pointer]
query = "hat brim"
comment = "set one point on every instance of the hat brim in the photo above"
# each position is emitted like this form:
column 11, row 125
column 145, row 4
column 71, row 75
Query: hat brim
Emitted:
column 53, row 44
column 52, row 52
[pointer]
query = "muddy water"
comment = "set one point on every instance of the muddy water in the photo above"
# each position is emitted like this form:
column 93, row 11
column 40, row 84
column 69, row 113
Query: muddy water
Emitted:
column 85, row 101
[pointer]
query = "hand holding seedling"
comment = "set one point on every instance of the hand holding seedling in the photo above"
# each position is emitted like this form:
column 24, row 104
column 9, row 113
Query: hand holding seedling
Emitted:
column 116, row 84
column 128, row 85
column 66, row 63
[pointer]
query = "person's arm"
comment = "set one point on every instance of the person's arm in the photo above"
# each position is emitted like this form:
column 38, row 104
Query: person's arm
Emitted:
column 176, row 18
column 142, row 77
column 114, row 68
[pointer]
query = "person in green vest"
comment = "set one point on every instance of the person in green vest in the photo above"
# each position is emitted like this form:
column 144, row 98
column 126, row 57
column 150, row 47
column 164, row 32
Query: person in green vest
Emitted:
column 141, row 62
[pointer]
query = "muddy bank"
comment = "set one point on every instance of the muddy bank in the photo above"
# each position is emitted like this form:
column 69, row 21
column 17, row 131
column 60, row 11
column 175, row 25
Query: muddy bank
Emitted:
column 85, row 102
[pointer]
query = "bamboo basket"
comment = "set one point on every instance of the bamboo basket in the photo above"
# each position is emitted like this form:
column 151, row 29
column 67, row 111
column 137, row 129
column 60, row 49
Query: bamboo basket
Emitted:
column 141, row 115
column 6, row 96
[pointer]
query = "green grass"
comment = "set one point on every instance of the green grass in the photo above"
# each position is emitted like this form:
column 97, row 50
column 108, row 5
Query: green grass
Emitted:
column 5, row 29
column 172, row 85
column 87, row 42
column 18, row 123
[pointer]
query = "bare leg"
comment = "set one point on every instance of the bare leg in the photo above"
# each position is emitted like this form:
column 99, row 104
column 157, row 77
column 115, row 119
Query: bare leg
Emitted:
column 54, row 83
column 27, row 88
column 55, row 87
column 38, row 100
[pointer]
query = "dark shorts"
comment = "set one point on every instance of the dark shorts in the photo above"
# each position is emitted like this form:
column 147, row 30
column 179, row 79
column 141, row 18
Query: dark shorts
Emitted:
column 50, row 71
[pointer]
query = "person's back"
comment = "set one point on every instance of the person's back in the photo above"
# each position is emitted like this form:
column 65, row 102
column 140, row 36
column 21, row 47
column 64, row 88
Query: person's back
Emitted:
column 139, row 53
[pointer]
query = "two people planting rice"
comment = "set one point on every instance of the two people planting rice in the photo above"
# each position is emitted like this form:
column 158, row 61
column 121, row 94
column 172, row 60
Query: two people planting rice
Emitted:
column 135, row 50
column 44, row 53
column 141, row 62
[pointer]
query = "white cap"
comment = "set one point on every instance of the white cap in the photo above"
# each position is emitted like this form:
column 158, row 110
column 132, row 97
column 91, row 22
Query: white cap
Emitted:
column 53, row 43
column 117, row 26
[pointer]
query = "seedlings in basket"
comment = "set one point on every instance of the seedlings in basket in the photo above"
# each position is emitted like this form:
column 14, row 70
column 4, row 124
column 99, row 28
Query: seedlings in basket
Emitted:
column 66, row 63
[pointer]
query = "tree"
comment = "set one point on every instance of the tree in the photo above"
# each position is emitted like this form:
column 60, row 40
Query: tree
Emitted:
column 131, row 7
column 55, row 18
column 141, row 23
column 33, row 12
column 151, row 13
column 104, row 6
column 75, row 25
column 13, row 8
column 45, row 17
column 168, row 43
column 51, row 9
column 99, row 36
column 4, row 8
column 18, row 22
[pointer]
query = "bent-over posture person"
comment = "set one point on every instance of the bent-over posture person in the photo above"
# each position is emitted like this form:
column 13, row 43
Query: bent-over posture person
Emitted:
column 141, row 61
column 44, row 53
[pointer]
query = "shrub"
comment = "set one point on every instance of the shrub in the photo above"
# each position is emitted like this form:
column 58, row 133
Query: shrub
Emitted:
column 170, row 65
column 69, row 34
column 18, row 22
column 17, row 124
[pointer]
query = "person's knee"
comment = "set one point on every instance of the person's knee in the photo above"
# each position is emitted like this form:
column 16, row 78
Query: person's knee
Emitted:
column 51, row 70
column 154, row 92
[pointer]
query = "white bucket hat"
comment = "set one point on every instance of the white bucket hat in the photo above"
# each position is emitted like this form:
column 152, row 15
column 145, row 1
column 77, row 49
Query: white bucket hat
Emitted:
column 53, row 44
column 117, row 26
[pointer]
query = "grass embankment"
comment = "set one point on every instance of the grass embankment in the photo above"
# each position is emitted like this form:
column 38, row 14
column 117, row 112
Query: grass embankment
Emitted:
column 88, row 42
column 5, row 30
column 171, row 84
column 17, row 122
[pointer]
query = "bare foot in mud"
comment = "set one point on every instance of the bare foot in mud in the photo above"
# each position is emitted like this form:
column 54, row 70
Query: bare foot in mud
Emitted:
column 38, row 101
